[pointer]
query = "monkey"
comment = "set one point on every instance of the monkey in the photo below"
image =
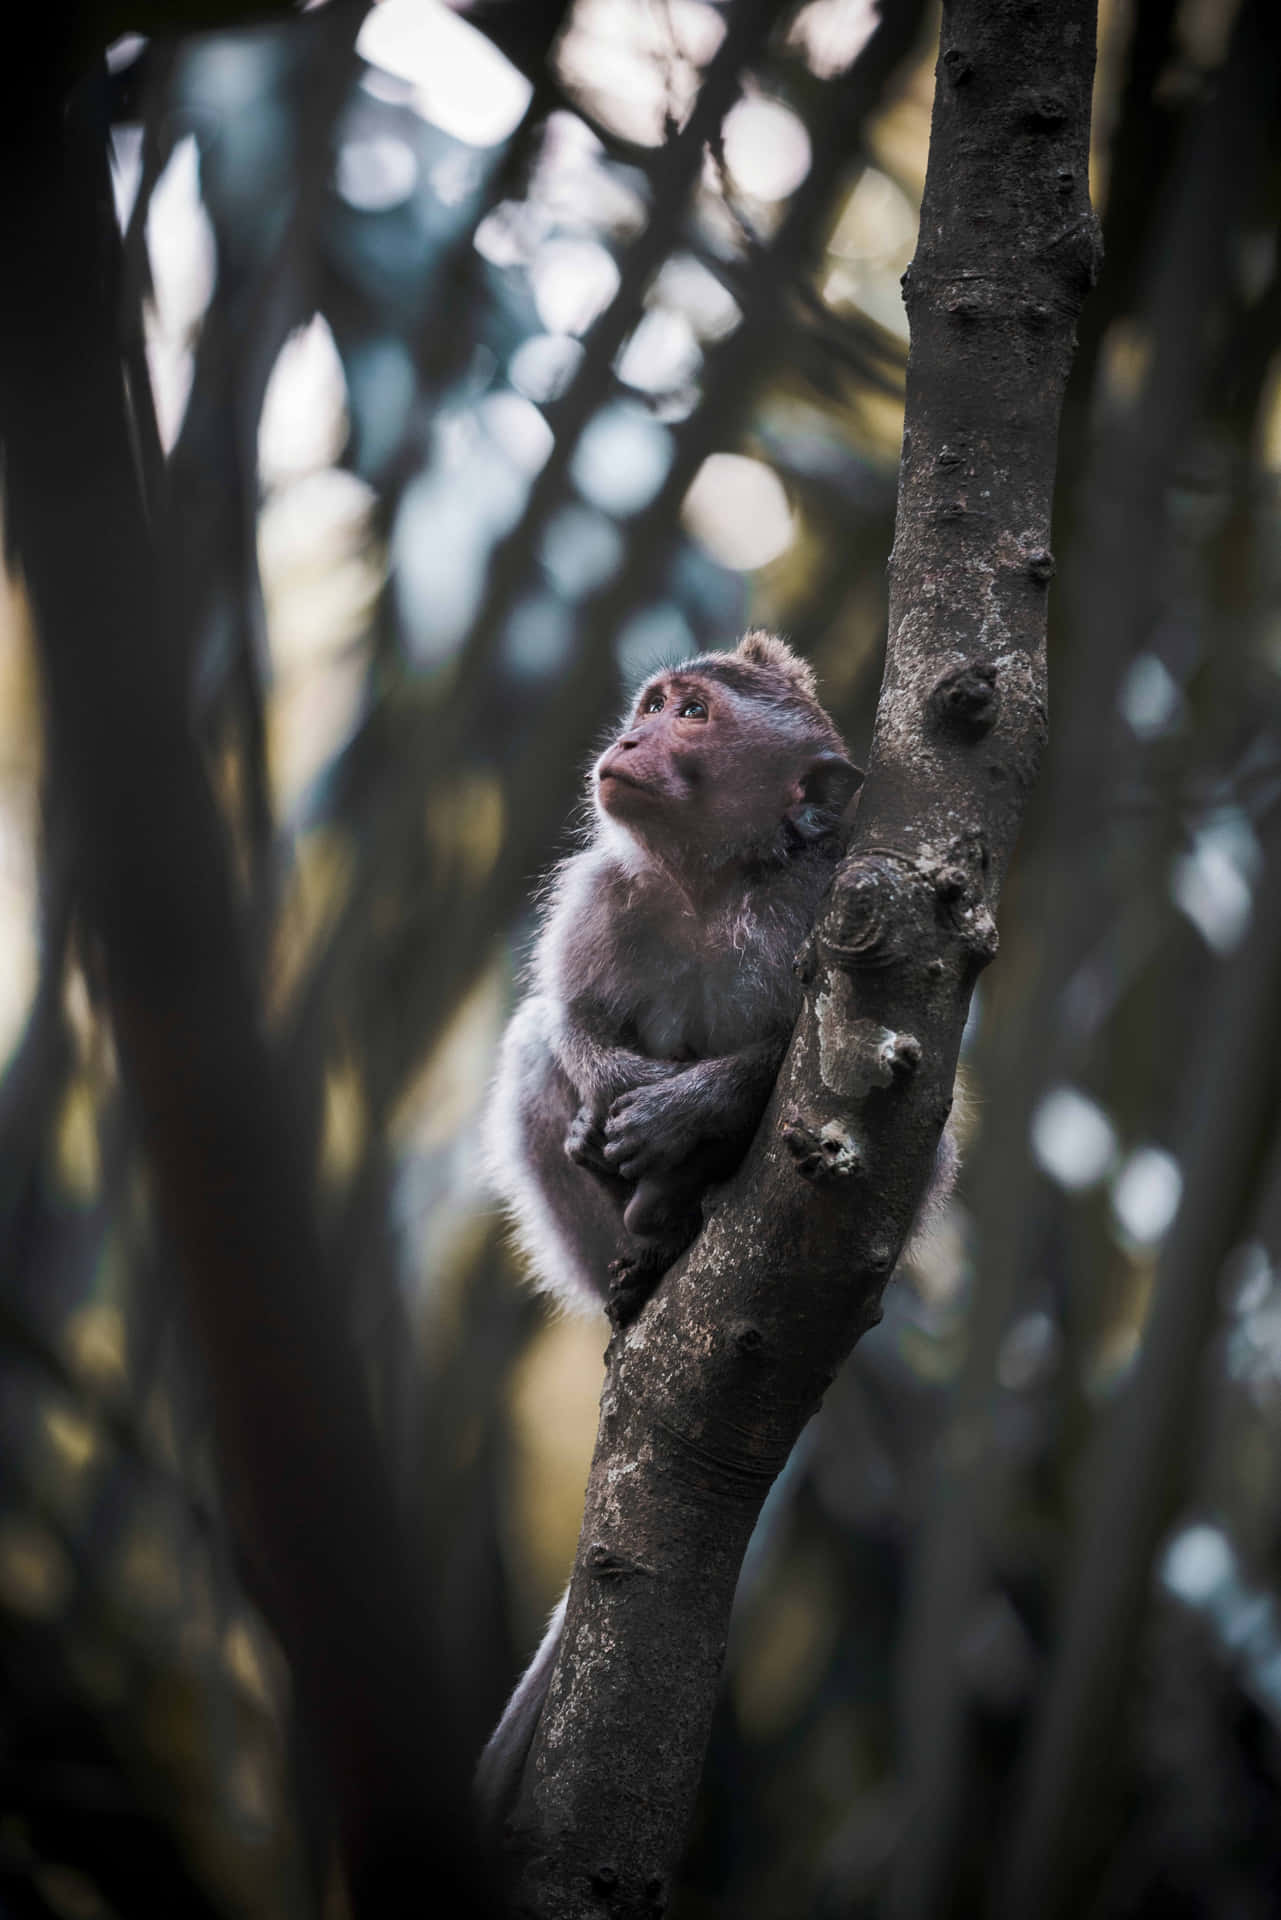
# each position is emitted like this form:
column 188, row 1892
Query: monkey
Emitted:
column 635, row 1071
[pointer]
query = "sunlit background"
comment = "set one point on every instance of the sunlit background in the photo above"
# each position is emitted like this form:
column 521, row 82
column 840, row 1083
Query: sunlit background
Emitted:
column 473, row 395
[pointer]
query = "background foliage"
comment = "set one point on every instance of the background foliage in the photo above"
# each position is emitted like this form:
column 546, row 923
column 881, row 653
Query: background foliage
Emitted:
column 474, row 371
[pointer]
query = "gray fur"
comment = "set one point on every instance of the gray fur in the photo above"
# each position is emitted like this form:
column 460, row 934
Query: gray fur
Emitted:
column 503, row 1761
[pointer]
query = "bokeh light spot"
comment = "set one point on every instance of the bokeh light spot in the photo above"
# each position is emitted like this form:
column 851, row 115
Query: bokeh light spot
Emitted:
column 375, row 175
column 573, row 282
column 767, row 148
column 1146, row 1194
column 622, row 459
column 304, row 421
column 35, row 1573
column 461, row 82
column 738, row 509
column 1073, row 1139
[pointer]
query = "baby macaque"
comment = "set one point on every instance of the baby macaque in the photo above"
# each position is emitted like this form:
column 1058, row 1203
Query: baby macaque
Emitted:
column 635, row 1072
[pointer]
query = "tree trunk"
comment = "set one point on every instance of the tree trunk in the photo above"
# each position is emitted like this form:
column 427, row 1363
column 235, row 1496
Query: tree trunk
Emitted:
column 706, row 1393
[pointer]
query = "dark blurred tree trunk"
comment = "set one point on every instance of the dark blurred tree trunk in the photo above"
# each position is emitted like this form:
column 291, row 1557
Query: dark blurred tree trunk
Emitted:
column 706, row 1394
column 305, row 1482
column 1137, row 1466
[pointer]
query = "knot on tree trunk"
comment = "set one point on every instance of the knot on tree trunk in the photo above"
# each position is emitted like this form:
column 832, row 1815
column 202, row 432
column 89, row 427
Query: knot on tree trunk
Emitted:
column 866, row 920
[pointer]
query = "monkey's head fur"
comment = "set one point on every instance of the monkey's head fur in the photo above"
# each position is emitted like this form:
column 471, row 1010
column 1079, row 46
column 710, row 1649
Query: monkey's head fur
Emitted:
column 725, row 759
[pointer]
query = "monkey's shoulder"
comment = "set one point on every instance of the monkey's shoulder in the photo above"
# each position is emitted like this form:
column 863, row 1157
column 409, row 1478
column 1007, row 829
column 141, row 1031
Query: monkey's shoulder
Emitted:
column 583, row 901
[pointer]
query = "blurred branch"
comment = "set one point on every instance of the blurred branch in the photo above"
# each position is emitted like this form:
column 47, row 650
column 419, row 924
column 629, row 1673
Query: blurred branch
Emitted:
column 1138, row 1465
column 676, row 172
column 306, row 1483
column 1187, row 280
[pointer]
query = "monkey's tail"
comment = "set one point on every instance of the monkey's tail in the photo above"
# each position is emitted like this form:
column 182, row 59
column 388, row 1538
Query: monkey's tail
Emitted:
column 502, row 1763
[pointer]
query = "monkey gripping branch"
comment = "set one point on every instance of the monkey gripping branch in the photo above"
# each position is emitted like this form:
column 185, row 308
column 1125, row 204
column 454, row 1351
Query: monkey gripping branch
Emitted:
column 706, row 1392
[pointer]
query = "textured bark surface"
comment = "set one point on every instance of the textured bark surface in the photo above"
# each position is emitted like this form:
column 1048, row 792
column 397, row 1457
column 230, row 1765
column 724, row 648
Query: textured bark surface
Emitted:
column 706, row 1393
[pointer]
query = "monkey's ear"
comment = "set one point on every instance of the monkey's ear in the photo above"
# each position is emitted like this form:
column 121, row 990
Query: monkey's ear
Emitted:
column 764, row 649
column 822, row 794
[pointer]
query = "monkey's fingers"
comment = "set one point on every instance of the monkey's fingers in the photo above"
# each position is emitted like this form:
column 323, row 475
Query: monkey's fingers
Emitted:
column 630, row 1168
column 629, row 1288
column 636, row 1148
column 589, row 1154
column 633, row 1154
column 585, row 1142
column 638, row 1133
column 631, row 1282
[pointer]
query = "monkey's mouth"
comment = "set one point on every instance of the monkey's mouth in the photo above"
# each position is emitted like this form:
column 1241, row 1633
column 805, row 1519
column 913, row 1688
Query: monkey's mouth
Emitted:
column 621, row 779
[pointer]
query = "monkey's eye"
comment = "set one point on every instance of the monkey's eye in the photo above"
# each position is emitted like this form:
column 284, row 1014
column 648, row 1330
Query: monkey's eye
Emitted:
column 693, row 710
column 652, row 703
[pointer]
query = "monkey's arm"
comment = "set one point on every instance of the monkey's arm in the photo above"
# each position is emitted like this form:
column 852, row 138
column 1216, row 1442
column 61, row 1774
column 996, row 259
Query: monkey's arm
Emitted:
column 589, row 1048
column 589, row 1045
column 652, row 1128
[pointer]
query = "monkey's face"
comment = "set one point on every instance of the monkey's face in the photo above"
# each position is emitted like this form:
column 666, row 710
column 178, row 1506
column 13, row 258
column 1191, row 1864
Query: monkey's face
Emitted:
column 702, row 773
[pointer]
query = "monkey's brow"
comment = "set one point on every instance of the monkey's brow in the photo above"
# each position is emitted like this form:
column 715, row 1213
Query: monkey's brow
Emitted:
column 674, row 683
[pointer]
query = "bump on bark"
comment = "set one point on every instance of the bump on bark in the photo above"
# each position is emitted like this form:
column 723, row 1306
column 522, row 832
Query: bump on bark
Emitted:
column 965, row 308
column 822, row 1154
column 1040, row 109
column 606, row 1563
column 906, row 1054
column 979, row 935
column 863, row 926
column 965, row 701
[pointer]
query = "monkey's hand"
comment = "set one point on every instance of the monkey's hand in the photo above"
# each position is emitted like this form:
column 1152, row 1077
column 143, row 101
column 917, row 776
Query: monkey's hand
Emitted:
column 650, row 1130
column 585, row 1141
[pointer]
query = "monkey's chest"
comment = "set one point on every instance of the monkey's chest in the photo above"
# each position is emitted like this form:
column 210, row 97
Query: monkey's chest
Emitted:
column 694, row 1010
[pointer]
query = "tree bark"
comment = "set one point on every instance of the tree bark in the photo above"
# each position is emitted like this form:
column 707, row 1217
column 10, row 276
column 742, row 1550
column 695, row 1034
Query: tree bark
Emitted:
column 706, row 1393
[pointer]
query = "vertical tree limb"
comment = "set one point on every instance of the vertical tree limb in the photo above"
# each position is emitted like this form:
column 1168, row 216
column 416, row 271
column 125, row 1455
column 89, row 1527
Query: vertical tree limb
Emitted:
column 1141, row 1456
column 706, row 1393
